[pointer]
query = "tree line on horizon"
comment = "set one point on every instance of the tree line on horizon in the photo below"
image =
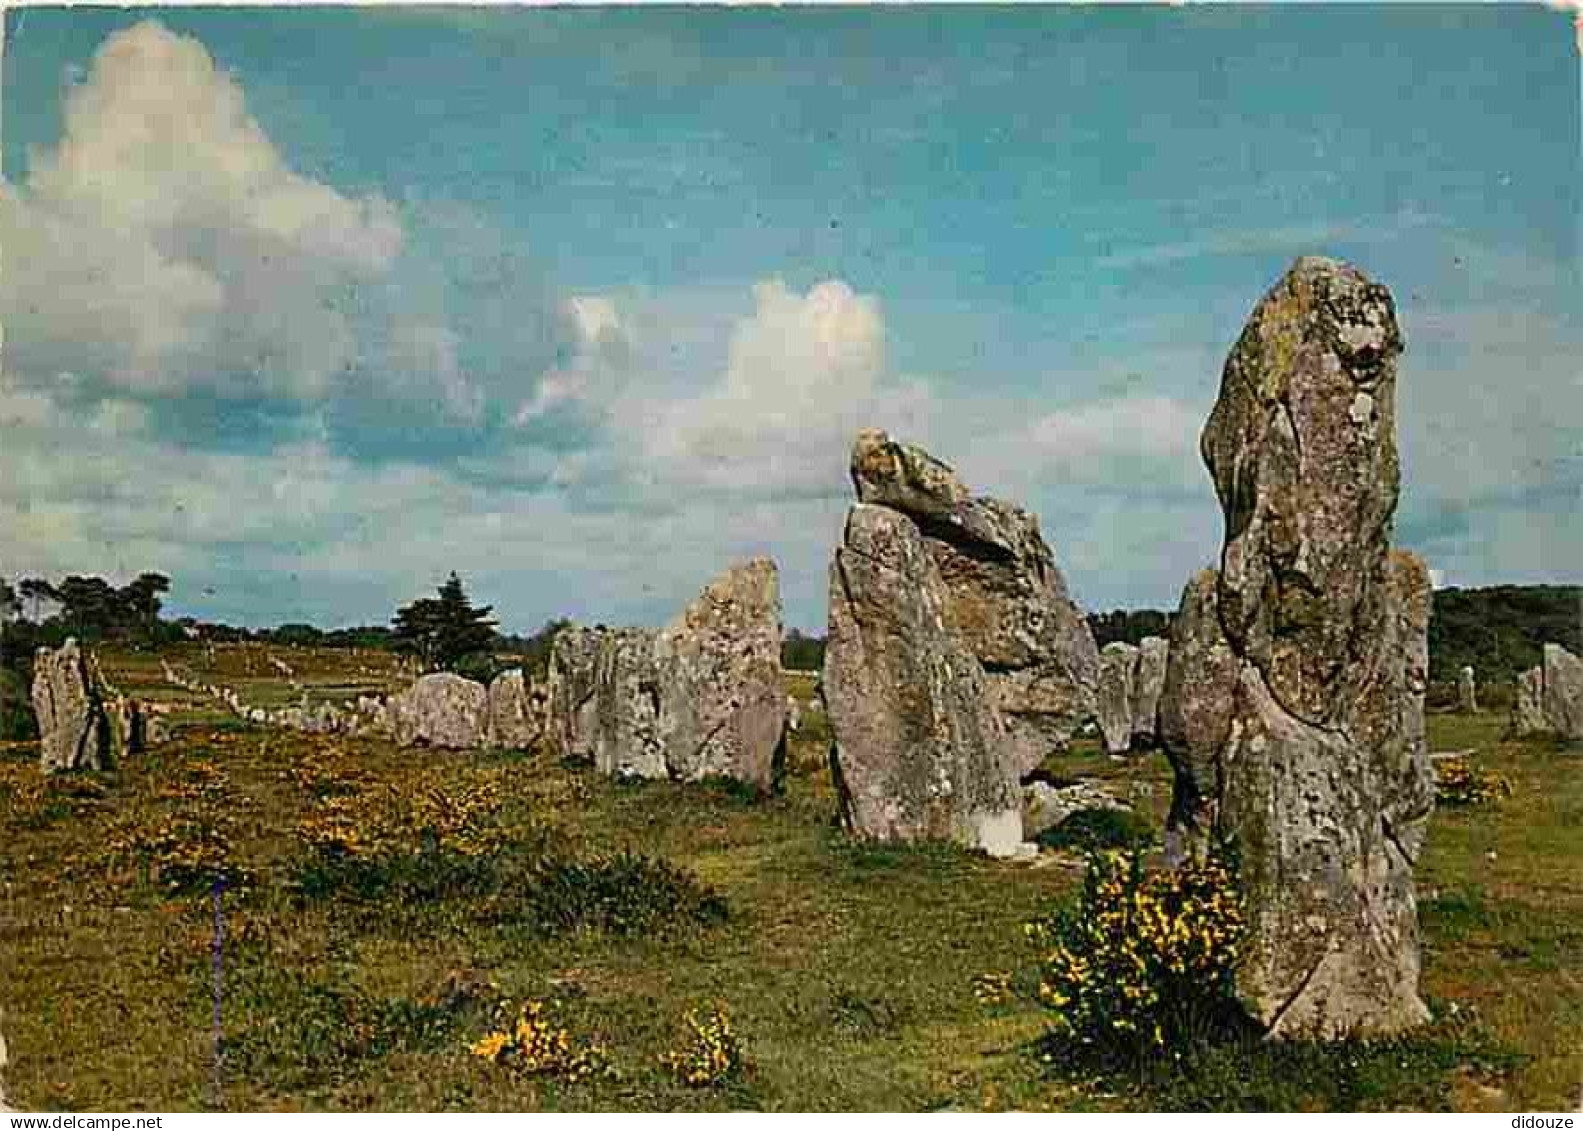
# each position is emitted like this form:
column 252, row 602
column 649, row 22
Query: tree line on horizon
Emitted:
column 1498, row 630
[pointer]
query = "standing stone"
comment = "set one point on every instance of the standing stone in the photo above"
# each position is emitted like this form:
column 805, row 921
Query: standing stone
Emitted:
column 441, row 709
column 574, row 662
column 700, row 698
column 724, row 704
column 514, row 721
column 1148, row 680
column 1293, row 702
column 74, row 732
column 627, row 740
column 1118, row 661
column 1004, row 595
column 920, row 750
column 1563, row 691
column 1528, row 712
column 1467, row 692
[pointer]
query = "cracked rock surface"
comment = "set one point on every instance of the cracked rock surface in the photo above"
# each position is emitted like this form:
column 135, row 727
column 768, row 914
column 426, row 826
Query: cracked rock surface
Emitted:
column 1003, row 594
column 920, row 751
column 83, row 722
column 699, row 698
column 1292, row 708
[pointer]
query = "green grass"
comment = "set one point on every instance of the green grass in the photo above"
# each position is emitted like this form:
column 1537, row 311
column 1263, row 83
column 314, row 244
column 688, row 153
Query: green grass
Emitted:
column 847, row 969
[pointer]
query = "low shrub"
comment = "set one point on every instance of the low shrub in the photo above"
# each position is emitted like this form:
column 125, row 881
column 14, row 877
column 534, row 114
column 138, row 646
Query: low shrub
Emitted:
column 1459, row 782
column 625, row 894
column 178, row 854
column 531, row 1041
column 1144, row 963
column 710, row 1052
column 1100, row 830
column 301, row 1031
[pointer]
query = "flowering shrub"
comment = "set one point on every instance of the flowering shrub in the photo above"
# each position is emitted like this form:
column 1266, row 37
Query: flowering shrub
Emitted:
column 1459, row 782
column 534, row 1044
column 387, row 821
column 710, row 1052
column 182, row 853
column 993, row 988
column 1144, row 963
column 33, row 800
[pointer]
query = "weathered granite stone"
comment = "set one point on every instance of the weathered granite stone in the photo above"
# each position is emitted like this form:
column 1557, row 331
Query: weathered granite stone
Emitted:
column 1563, row 691
column 627, row 740
column 74, row 732
column 1302, row 448
column 1004, row 595
column 1148, row 680
column 920, row 752
column 1528, row 712
column 1118, row 663
column 441, row 709
column 573, row 667
column 516, row 718
column 1467, row 692
column 1312, row 761
column 723, row 704
column 1046, row 806
column 1196, row 701
column 700, row 698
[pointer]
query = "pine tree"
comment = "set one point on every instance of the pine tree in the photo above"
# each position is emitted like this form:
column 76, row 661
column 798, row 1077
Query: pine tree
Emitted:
column 446, row 630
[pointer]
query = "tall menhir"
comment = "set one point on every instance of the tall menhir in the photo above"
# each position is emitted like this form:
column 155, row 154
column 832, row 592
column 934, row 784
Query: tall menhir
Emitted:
column 1293, row 705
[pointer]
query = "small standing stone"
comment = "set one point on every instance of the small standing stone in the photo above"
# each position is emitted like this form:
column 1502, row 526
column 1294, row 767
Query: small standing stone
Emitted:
column 1118, row 663
column 1528, row 713
column 1467, row 692
column 1563, row 691
column 1148, row 680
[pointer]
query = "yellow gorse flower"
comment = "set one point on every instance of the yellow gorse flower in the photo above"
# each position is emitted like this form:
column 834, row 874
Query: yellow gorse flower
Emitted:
column 532, row 1043
column 710, row 1052
column 1140, row 951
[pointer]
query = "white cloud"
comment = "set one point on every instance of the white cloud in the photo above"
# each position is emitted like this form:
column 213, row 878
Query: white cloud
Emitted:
column 600, row 366
column 803, row 373
column 164, row 244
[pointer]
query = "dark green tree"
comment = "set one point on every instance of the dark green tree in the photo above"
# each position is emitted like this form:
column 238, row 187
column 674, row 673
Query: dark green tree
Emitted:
column 445, row 631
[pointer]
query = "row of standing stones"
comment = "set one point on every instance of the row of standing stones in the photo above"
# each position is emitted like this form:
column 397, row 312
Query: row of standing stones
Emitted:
column 1289, row 698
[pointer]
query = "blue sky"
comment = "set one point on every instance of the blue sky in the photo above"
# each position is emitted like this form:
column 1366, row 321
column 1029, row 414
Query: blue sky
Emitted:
column 308, row 307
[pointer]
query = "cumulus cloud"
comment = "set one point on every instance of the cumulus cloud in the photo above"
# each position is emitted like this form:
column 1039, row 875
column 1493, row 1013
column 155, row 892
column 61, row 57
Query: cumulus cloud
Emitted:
column 165, row 245
column 601, row 363
column 803, row 373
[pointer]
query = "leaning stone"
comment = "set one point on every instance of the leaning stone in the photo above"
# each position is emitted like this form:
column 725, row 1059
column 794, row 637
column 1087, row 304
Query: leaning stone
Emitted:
column 920, row 750
column 1004, row 594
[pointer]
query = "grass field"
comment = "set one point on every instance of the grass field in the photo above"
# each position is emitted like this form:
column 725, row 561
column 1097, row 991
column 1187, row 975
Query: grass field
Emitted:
column 846, row 969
